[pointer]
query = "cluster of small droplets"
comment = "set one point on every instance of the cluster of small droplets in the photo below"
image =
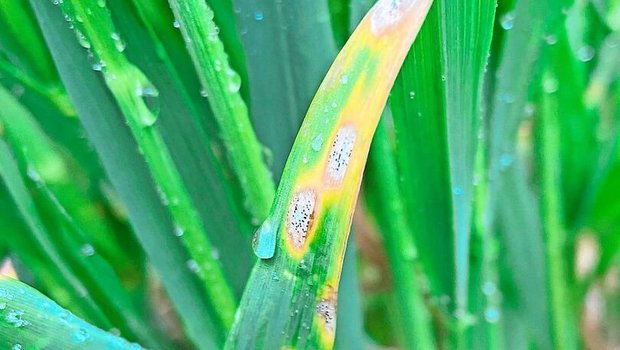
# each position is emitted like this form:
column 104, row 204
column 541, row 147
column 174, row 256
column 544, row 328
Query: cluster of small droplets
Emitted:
column 15, row 318
column 300, row 216
column 340, row 153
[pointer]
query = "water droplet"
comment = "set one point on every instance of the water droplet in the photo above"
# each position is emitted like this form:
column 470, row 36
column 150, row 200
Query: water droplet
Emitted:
column 118, row 43
column 15, row 318
column 87, row 250
column 585, row 53
column 215, row 253
column 317, row 142
column 492, row 315
column 80, row 336
column 150, row 96
column 529, row 109
column 33, row 174
column 550, row 85
column 192, row 265
column 101, row 3
column 82, row 39
column 411, row 95
column 551, row 39
column 457, row 191
column 506, row 97
column 178, row 231
column 344, row 79
column 264, row 241
column 204, row 93
column 489, row 288
column 16, row 346
column 505, row 160
column 305, row 159
column 176, row 24
column 64, row 315
column 234, row 80
column 97, row 66
column 507, row 21
column 275, row 277
column 2, row 306
column 5, row 294
column 409, row 253
column 259, row 16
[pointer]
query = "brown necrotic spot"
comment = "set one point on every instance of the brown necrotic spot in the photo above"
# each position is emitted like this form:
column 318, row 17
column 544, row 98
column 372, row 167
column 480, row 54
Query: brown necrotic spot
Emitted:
column 340, row 153
column 300, row 216
column 387, row 13
column 326, row 309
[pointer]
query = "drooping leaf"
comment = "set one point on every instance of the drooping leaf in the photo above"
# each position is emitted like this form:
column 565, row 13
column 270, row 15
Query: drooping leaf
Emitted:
column 30, row 320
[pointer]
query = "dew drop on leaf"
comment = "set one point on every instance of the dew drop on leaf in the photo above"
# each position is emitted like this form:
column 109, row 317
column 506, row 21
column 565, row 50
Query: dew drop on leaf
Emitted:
column 80, row 336
column 507, row 21
column 585, row 53
column 87, row 250
column 317, row 142
column 492, row 315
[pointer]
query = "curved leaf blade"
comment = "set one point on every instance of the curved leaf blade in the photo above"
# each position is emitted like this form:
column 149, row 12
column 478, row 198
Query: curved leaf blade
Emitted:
column 291, row 299
column 30, row 320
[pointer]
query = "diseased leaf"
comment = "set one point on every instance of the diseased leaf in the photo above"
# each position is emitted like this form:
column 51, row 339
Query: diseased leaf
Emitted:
column 291, row 299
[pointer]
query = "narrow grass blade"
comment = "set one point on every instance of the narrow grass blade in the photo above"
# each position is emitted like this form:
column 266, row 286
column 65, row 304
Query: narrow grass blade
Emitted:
column 291, row 299
column 224, row 12
column 452, row 79
column 288, row 46
column 563, row 319
column 512, row 207
column 468, row 28
column 137, row 98
column 385, row 198
column 40, row 155
column 243, row 149
column 417, row 106
column 350, row 334
column 25, row 55
column 42, row 246
column 32, row 321
column 183, row 121
column 130, row 176
column 523, row 281
column 339, row 14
